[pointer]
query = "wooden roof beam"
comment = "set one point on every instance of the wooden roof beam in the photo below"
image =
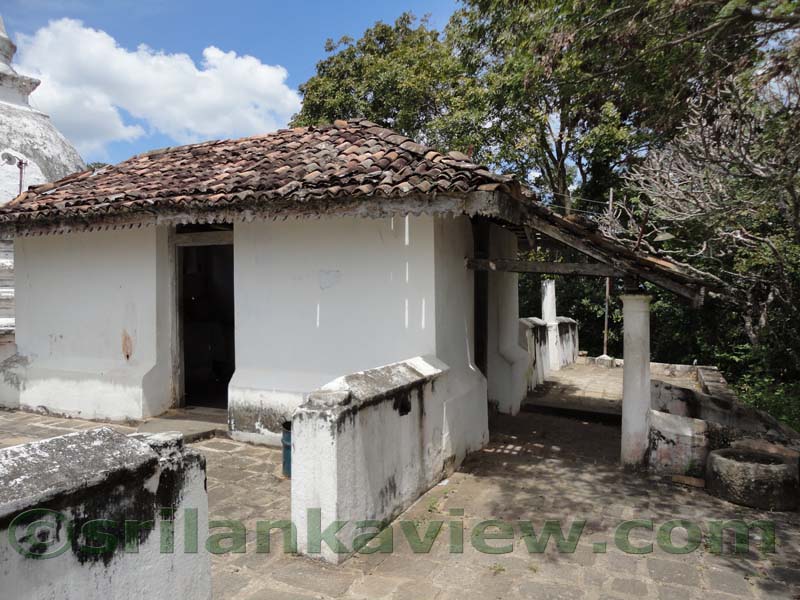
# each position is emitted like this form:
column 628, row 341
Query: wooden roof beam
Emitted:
column 626, row 267
column 544, row 268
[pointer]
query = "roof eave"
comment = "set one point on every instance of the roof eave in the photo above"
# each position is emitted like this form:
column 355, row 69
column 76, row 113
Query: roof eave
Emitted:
column 495, row 204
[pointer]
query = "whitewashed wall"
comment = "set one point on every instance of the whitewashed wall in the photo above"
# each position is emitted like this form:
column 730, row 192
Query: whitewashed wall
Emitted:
column 533, row 338
column 366, row 446
column 567, row 341
column 507, row 361
column 466, row 421
column 93, row 325
column 316, row 299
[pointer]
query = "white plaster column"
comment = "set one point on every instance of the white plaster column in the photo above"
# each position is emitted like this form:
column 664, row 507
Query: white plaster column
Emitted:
column 549, row 316
column 636, row 379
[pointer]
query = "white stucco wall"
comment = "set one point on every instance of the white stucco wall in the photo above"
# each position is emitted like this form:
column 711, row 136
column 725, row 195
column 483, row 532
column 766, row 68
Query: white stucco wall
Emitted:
column 93, row 324
column 507, row 360
column 466, row 421
column 317, row 299
column 366, row 446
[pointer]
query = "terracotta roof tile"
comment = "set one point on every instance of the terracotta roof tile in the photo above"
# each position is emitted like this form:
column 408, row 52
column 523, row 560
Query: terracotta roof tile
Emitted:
column 349, row 159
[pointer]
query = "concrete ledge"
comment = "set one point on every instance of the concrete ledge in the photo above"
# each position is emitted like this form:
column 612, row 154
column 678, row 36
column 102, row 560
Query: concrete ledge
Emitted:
column 367, row 445
column 73, row 499
column 656, row 368
column 678, row 445
column 42, row 470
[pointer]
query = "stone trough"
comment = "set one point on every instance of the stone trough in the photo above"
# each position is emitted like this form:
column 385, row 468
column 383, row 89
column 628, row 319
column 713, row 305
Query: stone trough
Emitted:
column 745, row 455
column 756, row 479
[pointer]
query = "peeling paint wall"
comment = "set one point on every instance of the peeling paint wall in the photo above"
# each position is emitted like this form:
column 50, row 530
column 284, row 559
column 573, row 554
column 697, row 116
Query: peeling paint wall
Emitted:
column 316, row 299
column 93, row 325
column 103, row 475
column 367, row 445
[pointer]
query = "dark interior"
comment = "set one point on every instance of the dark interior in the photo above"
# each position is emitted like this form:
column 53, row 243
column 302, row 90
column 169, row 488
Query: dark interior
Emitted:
column 207, row 324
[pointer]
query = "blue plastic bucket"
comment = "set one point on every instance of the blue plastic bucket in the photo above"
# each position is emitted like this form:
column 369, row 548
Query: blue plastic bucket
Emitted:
column 286, row 442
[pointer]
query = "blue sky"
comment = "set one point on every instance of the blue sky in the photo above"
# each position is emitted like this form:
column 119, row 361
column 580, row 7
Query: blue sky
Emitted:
column 70, row 60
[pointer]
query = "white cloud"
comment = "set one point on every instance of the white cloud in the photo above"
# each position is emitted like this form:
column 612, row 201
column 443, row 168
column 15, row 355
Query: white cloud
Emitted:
column 88, row 80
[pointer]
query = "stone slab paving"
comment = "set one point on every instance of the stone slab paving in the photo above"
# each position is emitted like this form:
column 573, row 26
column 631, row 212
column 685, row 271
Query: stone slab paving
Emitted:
column 194, row 422
column 538, row 467
column 590, row 388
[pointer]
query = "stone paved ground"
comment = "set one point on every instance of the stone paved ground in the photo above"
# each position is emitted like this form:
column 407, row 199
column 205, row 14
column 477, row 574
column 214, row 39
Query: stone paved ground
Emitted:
column 538, row 467
column 591, row 388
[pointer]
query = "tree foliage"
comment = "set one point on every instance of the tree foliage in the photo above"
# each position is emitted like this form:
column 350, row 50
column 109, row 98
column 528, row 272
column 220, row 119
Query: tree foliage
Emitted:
column 404, row 76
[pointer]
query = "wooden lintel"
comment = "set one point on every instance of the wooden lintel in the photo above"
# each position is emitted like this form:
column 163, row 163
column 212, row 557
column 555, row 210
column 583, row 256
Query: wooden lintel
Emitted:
column 204, row 238
column 545, row 268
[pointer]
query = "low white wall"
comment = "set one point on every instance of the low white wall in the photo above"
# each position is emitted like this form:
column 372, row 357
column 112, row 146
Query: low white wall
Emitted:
column 533, row 338
column 102, row 475
column 93, row 325
column 316, row 299
column 367, row 445
column 536, row 338
column 567, row 341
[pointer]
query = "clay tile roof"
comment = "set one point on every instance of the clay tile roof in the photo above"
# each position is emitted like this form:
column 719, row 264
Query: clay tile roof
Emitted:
column 349, row 159
column 305, row 171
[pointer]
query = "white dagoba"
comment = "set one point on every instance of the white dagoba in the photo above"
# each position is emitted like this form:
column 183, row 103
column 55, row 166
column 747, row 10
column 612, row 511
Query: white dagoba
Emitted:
column 27, row 134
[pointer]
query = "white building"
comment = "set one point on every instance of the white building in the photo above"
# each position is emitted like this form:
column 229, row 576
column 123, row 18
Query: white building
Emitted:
column 186, row 285
column 246, row 274
column 342, row 277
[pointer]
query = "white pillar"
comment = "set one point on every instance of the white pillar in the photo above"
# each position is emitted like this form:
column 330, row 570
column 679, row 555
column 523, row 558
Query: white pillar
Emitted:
column 549, row 316
column 549, row 301
column 636, row 379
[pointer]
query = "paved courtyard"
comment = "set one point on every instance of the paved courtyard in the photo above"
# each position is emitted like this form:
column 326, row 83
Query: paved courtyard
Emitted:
column 539, row 466
column 589, row 388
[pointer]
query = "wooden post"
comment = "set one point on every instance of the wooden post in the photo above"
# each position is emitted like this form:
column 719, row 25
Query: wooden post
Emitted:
column 608, row 282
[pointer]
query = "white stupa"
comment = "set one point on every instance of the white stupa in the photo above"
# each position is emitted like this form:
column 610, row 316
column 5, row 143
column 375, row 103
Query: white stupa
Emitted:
column 29, row 136
column 26, row 134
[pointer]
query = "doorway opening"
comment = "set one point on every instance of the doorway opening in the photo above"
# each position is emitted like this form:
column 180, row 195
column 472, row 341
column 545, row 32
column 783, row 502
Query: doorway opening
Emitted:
column 207, row 323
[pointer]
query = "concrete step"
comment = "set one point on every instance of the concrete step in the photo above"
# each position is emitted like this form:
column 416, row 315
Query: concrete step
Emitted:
column 195, row 423
column 7, row 302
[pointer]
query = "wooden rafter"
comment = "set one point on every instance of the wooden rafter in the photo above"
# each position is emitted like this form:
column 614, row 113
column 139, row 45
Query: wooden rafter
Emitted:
column 619, row 258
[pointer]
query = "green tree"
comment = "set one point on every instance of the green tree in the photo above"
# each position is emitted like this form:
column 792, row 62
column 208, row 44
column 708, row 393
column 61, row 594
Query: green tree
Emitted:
column 403, row 76
column 580, row 90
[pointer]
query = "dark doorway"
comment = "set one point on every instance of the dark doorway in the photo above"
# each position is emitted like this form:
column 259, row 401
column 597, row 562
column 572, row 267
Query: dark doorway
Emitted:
column 480, row 238
column 207, row 324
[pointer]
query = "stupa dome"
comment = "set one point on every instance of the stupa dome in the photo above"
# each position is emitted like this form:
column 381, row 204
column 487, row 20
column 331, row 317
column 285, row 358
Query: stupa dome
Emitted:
column 27, row 134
